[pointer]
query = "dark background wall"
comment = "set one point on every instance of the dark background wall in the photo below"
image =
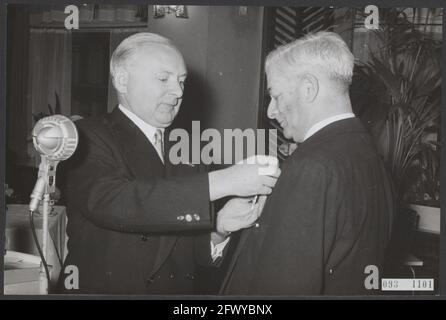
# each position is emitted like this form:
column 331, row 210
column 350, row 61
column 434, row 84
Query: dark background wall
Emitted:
column 222, row 49
column 234, row 66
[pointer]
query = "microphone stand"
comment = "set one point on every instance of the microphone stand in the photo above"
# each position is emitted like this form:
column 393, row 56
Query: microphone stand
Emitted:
column 55, row 138
column 45, row 185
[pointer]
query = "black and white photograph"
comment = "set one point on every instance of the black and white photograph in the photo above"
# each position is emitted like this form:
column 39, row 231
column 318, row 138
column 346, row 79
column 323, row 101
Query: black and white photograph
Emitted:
column 182, row 150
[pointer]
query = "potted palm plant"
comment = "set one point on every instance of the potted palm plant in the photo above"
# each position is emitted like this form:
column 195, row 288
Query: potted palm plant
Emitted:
column 397, row 95
column 399, row 99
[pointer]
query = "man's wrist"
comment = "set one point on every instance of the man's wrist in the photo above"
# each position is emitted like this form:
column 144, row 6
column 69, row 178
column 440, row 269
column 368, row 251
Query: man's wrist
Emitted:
column 217, row 184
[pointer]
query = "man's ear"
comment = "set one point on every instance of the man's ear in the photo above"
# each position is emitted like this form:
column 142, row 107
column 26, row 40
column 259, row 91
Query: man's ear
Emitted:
column 120, row 80
column 311, row 87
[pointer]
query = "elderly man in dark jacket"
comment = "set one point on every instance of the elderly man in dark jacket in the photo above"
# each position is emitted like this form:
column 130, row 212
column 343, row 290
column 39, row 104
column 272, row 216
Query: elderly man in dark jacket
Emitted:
column 330, row 214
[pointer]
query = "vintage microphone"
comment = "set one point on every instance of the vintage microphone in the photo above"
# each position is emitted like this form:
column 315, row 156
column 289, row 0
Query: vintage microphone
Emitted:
column 55, row 138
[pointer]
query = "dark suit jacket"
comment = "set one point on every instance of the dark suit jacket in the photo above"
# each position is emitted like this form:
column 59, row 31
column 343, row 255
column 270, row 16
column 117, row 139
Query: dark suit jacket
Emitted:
column 130, row 218
column 329, row 216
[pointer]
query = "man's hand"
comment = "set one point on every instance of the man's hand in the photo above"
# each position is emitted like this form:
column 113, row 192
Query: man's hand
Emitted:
column 255, row 175
column 237, row 213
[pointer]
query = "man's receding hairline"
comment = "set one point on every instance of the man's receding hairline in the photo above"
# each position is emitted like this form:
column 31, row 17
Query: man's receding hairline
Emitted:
column 291, row 56
column 152, row 47
column 136, row 44
column 146, row 52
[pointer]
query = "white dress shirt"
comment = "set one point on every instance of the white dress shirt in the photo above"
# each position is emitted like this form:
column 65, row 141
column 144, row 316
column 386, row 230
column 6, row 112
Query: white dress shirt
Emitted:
column 321, row 124
column 217, row 250
column 149, row 131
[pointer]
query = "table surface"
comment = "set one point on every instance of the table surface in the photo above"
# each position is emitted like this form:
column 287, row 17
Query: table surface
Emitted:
column 19, row 236
column 17, row 214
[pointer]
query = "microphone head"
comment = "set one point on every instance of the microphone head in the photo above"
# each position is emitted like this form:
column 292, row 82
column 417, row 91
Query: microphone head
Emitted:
column 55, row 137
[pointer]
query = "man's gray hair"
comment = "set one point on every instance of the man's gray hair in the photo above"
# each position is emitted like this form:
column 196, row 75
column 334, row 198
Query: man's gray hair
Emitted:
column 123, row 53
column 324, row 50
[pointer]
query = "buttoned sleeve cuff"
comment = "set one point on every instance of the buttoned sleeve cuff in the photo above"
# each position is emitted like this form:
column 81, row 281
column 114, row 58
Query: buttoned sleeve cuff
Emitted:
column 217, row 250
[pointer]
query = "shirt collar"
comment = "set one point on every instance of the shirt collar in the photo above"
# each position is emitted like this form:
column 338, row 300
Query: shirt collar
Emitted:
column 321, row 124
column 148, row 130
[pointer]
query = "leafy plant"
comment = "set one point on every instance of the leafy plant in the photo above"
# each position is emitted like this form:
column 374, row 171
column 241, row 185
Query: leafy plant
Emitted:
column 40, row 115
column 399, row 98
column 52, row 111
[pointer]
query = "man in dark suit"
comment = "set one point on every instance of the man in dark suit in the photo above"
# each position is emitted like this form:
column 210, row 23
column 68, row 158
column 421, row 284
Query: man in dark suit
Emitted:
column 329, row 216
column 133, row 217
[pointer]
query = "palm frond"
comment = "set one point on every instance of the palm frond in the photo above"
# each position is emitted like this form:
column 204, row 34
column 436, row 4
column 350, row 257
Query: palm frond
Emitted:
column 405, row 76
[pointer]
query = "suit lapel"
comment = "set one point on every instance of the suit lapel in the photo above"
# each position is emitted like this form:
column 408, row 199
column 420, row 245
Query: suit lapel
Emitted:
column 142, row 160
column 165, row 248
column 167, row 243
column 139, row 154
column 167, row 164
column 240, row 246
